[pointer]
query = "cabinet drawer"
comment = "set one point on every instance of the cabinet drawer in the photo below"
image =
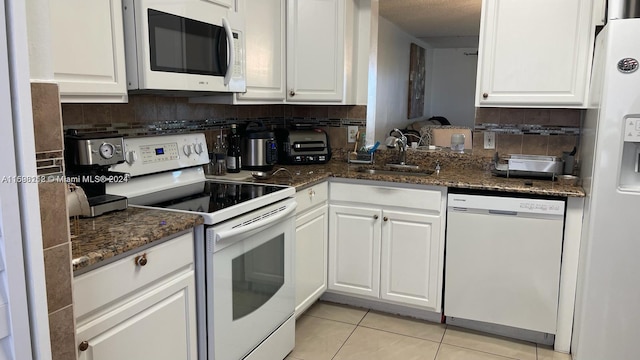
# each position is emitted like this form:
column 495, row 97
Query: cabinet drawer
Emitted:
column 113, row 281
column 426, row 199
column 311, row 196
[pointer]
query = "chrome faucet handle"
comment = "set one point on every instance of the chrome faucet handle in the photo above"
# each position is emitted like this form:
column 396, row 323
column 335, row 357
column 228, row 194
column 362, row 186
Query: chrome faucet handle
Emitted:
column 402, row 139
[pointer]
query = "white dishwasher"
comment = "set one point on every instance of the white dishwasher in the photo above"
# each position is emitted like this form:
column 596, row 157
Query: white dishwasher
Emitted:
column 503, row 260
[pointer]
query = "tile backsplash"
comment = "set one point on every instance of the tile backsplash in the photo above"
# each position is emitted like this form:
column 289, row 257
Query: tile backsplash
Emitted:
column 56, row 243
column 527, row 131
column 155, row 115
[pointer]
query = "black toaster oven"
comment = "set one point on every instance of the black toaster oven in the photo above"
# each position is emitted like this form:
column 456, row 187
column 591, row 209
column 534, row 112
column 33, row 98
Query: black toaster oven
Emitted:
column 308, row 146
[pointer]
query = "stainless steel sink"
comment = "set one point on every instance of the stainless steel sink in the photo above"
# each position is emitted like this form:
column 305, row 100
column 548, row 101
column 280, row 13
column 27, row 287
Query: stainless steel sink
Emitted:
column 403, row 166
column 395, row 172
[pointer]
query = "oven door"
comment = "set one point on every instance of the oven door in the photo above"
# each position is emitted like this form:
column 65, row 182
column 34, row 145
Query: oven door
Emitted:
column 251, row 284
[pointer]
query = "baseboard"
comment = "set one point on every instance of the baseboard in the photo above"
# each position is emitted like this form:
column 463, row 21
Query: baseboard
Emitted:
column 382, row 306
column 502, row 330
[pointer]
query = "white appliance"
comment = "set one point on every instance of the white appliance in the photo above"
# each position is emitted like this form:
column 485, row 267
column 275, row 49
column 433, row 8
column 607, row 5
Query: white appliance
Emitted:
column 244, row 258
column 607, row 297
column 503, row 264
column 186, row 45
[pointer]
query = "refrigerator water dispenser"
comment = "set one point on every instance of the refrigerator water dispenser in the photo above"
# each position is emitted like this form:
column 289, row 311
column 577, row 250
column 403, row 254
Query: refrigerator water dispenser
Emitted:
column 630, row 166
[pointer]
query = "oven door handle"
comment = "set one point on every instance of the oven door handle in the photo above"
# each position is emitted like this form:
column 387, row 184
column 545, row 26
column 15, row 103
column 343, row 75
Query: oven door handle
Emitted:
column 264, row 221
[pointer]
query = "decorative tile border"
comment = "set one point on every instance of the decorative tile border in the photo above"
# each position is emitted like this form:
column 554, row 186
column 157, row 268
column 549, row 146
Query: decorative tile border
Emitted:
column 50, row 163
column 521, row 129
column 181, row 126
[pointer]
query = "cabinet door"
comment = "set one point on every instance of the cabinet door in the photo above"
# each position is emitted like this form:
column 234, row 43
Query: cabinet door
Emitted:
column 311, row 256
column 88, row 50
column 354, row 250
column 265, row 49
column 157, row 324
column 410, row 258
column 231, row 4
column 315, row 50
column 534, row 53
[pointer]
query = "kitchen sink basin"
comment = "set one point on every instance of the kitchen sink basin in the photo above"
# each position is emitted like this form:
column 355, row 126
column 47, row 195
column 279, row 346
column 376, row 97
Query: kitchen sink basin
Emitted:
column 395, row 172
column 396, row 166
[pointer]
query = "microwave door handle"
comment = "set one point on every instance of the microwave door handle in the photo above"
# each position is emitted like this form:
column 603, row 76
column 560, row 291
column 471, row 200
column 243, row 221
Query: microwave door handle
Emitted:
column 225, row 234
column 232, row 51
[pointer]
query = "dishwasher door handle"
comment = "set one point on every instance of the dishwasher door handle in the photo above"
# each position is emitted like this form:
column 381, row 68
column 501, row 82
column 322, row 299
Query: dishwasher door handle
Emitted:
column 503, row 212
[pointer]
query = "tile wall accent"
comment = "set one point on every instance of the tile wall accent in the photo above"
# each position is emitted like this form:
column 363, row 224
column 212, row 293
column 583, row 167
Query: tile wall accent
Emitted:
column 155, row 115
column 527, row 131
column 47, row 123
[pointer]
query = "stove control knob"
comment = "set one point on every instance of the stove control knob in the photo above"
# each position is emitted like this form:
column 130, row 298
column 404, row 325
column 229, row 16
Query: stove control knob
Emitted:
column 198, row 148
column 131, row 157
column 187, row 149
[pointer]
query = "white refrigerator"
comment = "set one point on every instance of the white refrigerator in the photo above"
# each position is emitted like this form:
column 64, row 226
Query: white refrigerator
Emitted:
column 607, row 317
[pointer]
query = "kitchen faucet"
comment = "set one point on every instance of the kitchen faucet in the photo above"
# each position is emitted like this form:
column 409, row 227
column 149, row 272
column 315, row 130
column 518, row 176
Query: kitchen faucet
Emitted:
column 400, row 143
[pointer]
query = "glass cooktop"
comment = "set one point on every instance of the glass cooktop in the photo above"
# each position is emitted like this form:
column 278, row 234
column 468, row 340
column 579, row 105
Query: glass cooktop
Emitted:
column 211, row 196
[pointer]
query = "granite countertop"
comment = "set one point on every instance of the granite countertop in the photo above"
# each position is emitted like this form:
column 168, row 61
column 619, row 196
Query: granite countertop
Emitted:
column 108, row 236
column 105, row 237
column 461, row 171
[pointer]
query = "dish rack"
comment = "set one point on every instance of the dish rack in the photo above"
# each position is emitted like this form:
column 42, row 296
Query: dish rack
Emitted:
column 361, row 157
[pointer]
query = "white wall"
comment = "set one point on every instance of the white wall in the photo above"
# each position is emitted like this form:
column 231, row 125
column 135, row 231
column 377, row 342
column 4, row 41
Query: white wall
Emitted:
column 453, row 85
column 392, row 88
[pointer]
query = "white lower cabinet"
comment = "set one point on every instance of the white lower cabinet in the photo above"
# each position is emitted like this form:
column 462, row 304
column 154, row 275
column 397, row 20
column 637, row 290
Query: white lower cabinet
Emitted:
column 409, row 262
column 354, row 248
column 139, row 309
column 311, row 246
column 389, row 247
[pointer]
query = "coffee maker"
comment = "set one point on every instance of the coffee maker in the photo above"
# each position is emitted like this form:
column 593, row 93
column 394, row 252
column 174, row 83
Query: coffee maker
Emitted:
column 87, row 160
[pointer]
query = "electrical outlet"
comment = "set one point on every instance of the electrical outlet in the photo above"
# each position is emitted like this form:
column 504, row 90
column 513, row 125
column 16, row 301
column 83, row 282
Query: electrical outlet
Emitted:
column 489, row 140
column 351, row 133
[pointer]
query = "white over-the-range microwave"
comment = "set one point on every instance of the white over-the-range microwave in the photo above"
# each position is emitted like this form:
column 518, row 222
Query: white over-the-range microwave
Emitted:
column 183, row 45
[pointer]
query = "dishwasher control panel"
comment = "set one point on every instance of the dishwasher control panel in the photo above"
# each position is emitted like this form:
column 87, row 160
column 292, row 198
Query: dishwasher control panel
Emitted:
column 506, row 204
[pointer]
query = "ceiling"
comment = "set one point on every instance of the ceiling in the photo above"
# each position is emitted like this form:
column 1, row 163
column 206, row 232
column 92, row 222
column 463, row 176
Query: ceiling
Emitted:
column 434, row 18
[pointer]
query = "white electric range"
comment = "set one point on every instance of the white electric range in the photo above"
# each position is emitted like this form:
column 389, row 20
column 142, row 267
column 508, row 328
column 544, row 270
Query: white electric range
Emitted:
column 244, row 258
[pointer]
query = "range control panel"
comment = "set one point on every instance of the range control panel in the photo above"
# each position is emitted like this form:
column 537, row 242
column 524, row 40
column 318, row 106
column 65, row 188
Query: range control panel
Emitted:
column 632, row 130
column 154, row 154
column 159, row 152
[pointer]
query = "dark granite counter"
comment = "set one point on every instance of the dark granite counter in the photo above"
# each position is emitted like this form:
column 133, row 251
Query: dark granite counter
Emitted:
column 462, row 171
column 105, row 237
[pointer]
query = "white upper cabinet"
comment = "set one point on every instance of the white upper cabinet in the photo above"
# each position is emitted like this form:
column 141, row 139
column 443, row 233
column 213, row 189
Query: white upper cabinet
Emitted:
column 316, row 50
column 304, row 52
column 265, row 50
column 534, row 53
column 88, row 50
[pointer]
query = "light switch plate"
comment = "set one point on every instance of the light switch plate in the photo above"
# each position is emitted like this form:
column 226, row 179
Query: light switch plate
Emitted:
column 351, row 133
column 489, row 140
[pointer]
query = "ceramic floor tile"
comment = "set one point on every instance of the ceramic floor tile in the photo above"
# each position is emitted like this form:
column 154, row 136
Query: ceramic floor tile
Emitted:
column 545, row 353
column 450, row 352
column 404, row 326
column 291, row 358
column 371, row 344
column 336, row 312
column 319, row 339
column 490, row 344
